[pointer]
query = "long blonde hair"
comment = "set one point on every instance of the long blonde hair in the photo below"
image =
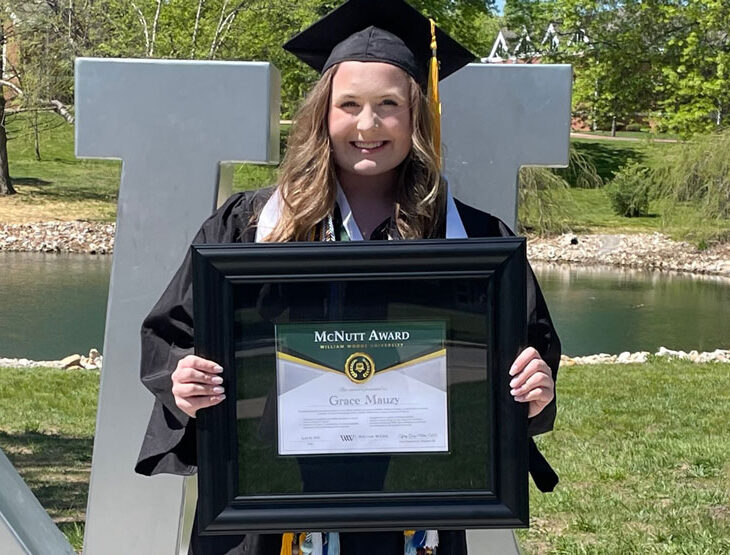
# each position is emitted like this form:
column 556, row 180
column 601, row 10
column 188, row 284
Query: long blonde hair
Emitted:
column 307, row 182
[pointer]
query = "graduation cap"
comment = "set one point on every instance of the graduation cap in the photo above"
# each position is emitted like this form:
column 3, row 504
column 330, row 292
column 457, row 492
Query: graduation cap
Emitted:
column 389, row 31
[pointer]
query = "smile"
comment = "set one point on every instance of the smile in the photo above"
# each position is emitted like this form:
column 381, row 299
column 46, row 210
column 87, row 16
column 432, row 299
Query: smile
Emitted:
column 368, row 145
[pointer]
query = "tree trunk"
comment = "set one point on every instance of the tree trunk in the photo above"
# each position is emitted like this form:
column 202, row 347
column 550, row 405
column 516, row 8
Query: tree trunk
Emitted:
column 36, row 137
column 718, row 120
column 613, row 126
column 6, row 185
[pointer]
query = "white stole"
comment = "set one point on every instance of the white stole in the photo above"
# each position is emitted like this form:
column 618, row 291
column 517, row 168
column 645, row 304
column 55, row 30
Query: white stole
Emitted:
column 272, row 211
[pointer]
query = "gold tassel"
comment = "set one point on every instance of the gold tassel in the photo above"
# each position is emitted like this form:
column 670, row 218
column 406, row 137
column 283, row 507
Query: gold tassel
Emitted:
column 433, row 95
column 286, row 543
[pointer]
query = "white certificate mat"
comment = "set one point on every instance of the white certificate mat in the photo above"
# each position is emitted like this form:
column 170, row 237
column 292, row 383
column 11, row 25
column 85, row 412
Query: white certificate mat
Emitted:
column 391, row 401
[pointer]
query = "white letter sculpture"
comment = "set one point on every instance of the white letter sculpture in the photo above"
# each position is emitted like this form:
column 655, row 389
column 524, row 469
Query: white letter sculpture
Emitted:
column 172, row 123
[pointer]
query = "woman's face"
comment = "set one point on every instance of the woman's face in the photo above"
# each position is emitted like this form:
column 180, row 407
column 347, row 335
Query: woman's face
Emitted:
column 369, row 117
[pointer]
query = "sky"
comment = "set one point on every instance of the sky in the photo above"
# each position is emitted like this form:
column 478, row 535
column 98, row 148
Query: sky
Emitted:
column 500, row 6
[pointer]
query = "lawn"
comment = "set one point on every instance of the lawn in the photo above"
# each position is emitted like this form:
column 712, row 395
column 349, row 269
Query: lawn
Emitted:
column 642, row 135
column 643, row 453
column 47, row 420
column 62, row 187
column 59, row 186
column 587, row 212
column 609, row 156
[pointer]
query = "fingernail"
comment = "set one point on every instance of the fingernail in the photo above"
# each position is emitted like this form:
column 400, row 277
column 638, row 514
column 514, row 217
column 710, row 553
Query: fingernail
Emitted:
column 216, row 379
column 218, row 389
column 513, row 391
column 513, row 382
column 512, row 371
column 218, row 369
column 221, row 397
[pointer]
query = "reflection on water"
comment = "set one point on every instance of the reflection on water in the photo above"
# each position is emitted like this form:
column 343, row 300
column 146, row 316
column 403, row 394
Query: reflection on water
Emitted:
column 610, row 310
column 53, row 304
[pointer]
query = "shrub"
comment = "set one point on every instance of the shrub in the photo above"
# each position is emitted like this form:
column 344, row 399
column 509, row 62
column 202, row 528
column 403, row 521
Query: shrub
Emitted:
column 698, row 172
column 581, row 171
column 543, row 197
column 634, row 127
column 629, row 191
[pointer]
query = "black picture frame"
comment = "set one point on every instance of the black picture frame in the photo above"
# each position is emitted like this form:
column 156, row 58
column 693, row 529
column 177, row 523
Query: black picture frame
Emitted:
column 499, row 263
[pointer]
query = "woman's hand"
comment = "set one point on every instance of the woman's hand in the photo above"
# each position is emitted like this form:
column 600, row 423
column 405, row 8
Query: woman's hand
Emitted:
column 196, row 384
column 532, row 381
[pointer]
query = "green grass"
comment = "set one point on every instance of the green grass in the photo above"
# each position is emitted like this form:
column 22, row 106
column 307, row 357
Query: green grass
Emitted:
column 47, row 420
column 589, row 212
column 62, row 187
column 610, row 156
column 59, row 186
column 644, row 135
column 643, row 453
column 592, row 213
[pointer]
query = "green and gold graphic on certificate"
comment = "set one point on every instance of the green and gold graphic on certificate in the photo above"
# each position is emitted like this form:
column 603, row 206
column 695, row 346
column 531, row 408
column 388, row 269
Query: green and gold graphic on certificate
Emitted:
column 361, row 387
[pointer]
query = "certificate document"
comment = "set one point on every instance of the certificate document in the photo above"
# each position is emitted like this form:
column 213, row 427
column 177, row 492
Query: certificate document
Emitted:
column 361, row 387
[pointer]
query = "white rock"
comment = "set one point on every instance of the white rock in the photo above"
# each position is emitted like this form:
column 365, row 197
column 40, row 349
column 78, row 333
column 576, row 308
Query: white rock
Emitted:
column 70, row 361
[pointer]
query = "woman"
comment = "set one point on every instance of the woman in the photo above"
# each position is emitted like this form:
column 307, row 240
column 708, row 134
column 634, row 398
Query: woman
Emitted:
column 361, row 162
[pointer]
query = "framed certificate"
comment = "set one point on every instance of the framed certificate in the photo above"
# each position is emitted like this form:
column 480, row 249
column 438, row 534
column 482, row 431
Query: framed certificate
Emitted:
column 367, row 385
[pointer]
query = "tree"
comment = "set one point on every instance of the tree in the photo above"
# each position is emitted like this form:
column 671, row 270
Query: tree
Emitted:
column 42, row 75
column 6, row 184
column 55, row 32
column 614, row 47
column 532, row 15
column 697, row 85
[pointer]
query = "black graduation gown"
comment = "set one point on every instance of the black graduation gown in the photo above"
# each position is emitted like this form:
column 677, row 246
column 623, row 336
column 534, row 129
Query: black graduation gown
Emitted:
column 167, row 335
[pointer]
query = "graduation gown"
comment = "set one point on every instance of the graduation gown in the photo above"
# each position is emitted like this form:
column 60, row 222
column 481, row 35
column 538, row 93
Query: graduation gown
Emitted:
column 169, row 444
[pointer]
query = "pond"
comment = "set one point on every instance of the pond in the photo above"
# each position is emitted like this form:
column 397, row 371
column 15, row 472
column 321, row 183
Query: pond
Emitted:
column 52, row 305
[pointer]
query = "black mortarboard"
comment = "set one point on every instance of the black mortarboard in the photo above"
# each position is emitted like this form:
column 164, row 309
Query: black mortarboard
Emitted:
column 388, row 31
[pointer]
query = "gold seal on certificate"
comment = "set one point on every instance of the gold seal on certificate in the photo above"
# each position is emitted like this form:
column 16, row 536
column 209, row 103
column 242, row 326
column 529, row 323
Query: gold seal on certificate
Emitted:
column 359, row 367
column 361, row 387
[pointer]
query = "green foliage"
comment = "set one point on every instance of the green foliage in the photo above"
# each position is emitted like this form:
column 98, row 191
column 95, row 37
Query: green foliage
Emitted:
column 629, row 191
column 532, row 15
column 609, row 156
column 51, row 35
column 581, row 171
column 544, row 199
column 612, row 48
column 699, row 172
column 666, row 57
column 74, row 532
column 696, row 82
column 465, row 20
